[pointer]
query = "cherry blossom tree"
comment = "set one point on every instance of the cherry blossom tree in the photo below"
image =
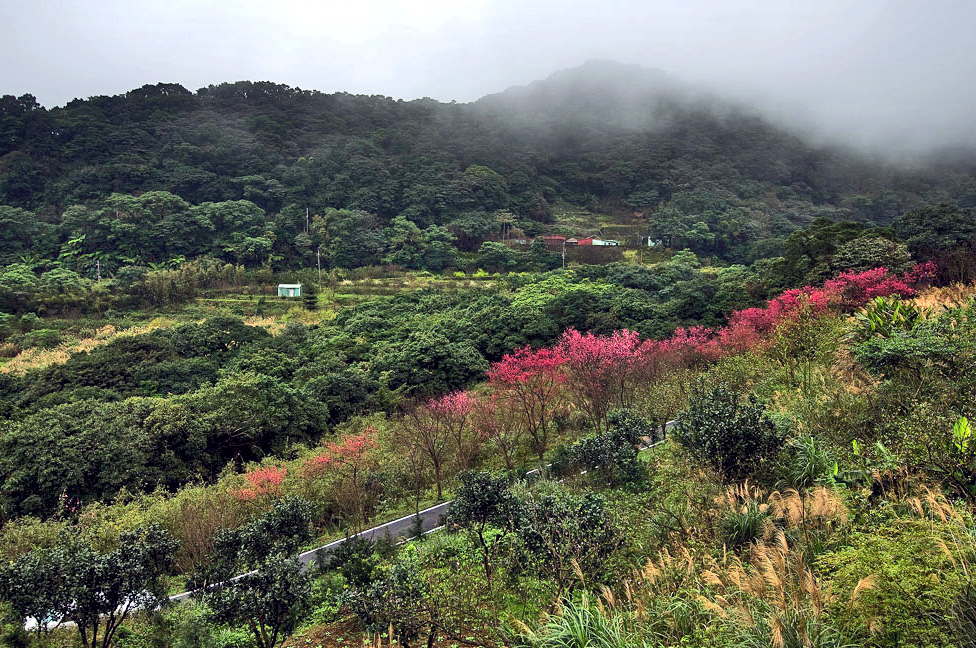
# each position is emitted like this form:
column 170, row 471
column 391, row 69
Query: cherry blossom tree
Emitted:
column 451, row 412
column 420, row 430
column 351, row 458
column 265, row 481
column 600, row 371
column 492, row 421
column 531, row 384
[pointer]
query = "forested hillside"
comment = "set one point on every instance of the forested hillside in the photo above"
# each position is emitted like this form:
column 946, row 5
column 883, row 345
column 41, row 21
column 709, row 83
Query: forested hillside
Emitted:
column 742, row 421
column 242, row 162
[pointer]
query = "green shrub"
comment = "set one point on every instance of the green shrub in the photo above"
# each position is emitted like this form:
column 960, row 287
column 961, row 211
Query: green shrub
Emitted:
column 401, row 599
column 356, row 560
column 736, row 437
column 940, row 347
column 482, row 503
column 744, row 524
column 611, row 454
column 29, row 321
column 805, row 342
column 43, row 338
column 94, row 590
column 568, row 535
column 189, row 626
column 911, row 588
column 807, row 463
column 12, row 633
column 328, row 592
column 6, row 324
column 273, row 597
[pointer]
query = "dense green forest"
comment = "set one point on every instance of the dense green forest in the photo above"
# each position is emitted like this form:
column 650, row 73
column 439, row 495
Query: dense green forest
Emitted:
column 803, row 315
column 260, row 173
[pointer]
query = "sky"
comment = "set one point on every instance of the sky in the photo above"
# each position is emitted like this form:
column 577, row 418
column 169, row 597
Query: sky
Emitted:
column 895, row 73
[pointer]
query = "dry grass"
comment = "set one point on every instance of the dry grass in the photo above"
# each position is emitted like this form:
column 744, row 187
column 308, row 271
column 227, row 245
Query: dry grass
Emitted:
column 790, row 597
column 665, row 575
column 770, row 593
column 272, row 325
column 37, row 358
column 819, row 509
column 945, row 296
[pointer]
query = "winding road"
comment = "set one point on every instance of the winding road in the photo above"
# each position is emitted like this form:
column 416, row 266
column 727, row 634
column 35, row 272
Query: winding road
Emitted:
column 431, row 519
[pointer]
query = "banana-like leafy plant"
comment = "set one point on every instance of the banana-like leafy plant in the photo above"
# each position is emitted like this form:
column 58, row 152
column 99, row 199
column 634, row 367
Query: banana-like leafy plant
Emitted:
column 883, row 316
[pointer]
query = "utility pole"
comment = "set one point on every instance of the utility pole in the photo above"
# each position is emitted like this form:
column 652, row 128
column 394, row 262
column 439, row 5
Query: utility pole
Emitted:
column 306, row 220
column 318, row 261
column 640, row 246
column 640, row 236
column 98, row 270
column 564, row 255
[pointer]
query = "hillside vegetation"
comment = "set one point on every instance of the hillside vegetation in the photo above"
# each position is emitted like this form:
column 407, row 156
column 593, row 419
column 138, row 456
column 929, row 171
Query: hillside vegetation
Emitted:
column 804, row 316
column 240, row 163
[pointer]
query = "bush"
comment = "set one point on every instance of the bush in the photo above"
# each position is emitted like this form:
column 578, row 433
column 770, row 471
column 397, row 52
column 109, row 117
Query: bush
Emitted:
column 356, row 560
column 630, row 425
column 6, row 324
column 42, row 338
column 613, row 454
column 746, row 523
column 271, row 601
column 568, row 535
column 401, row 600
column 189, row 626
column 12, row 635
column 928, row 348
column 95, row 590
column 807, row 463
column 483, row 501
column 736, row 437
column 907, row 583
column 29, row 321
column 272, row 598
column 328, row 595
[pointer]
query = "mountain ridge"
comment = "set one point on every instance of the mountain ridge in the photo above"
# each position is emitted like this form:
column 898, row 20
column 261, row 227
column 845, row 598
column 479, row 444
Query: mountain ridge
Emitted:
column 613, row 139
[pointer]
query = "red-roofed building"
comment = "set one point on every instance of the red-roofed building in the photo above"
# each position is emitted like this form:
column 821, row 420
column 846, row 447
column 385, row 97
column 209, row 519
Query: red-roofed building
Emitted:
column 554, row 242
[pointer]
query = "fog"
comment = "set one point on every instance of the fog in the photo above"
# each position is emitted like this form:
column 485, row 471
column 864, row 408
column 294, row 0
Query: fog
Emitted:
column 898, row 75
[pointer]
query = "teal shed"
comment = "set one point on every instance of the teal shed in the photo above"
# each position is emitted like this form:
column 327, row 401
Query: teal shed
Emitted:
column 289, row 290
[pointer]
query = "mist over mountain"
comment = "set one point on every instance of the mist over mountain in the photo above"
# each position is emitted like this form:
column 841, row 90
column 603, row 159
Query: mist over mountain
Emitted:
column 599, row 93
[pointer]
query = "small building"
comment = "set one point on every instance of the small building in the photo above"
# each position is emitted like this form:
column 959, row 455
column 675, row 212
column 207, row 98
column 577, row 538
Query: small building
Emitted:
column 587, row 241
column 608, row 242
column 572, row 241
column 554, row 242
column 290, row 290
